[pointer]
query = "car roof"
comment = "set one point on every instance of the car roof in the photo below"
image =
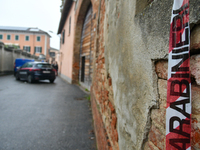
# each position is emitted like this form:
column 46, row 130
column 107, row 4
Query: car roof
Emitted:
column 37, row 62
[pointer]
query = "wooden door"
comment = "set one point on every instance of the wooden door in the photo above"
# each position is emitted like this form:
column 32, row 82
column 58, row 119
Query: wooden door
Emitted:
column 86, row 50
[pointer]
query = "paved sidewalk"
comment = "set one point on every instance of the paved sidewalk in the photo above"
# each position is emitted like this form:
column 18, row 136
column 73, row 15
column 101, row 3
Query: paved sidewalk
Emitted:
column 44, row 116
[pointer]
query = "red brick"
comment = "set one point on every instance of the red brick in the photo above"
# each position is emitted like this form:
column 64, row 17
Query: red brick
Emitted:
column 162, row 69
column 111, row 107
column 116, row 135
column 101, row 135
column 157, row 138
column 195, row 38
column 195, row 67
column 114, row 121
column 109, row 81
column 195, row 134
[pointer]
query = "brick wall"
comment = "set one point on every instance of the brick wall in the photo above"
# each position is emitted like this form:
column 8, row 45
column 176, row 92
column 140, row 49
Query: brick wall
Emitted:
column 102, row 102
column 156, row 138
column 104, row 114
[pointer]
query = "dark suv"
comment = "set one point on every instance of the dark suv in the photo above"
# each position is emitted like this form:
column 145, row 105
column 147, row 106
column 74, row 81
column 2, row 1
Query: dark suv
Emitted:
column 35, row 71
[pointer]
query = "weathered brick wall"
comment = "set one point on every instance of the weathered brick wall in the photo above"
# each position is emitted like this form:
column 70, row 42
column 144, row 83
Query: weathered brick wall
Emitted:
column 156, row 138
column 104, row 114
column 102, row 103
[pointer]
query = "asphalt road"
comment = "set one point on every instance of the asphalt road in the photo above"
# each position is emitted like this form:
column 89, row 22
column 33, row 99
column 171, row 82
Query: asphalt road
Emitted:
column 44, row 116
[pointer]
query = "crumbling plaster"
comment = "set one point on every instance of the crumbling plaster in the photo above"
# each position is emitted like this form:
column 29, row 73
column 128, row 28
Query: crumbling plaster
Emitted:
column 132, row 43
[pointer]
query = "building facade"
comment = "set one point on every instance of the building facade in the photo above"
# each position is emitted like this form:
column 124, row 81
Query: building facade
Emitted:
column 119, row 50
column 32, row 40
column 66, row 29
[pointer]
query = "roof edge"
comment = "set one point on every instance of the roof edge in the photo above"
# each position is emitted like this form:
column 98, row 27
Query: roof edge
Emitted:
column 65, row 12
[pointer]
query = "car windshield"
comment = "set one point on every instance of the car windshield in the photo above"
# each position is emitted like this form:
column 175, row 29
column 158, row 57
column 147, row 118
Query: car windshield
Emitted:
column 43, row 66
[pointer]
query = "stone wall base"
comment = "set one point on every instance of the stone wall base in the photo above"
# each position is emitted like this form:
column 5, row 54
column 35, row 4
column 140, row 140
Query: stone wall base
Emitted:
column 69, row 80
column 101, row 136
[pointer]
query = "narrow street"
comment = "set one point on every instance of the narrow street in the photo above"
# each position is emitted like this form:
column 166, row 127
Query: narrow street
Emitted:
column 44, row 116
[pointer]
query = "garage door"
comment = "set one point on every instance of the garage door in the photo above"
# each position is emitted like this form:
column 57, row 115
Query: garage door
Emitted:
column 86, row 51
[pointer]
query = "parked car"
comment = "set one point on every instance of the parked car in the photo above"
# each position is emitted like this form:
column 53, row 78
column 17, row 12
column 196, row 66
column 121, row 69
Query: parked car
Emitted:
column 35, row 71
column 19, row 62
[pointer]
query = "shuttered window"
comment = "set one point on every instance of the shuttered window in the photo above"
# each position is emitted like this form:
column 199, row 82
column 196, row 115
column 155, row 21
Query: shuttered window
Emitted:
column 27, row 48
column 38, row 38
column 8, row 37
column 63, row 37
column 38, row 49
column 69, row 25
column 27, row 38
column 16, row 37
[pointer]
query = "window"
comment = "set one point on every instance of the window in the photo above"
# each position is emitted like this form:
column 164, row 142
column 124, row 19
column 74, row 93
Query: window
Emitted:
column 43, row 65
column 8, row 37
column 52, row 54
column 27, row 48
column 38, row 49
column 16, row 37
column 38, row 38
column 1, row 37
column 27, row 38
column 24, row 65
column 69, row 25
column 30, row 65
column 63, row 37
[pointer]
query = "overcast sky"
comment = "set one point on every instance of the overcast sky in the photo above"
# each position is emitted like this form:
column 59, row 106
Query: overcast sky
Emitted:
column 44, row 14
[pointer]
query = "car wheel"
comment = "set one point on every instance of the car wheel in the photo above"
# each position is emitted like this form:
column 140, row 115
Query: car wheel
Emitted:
column 52, row 80
column 30, row 80
column 17, row 77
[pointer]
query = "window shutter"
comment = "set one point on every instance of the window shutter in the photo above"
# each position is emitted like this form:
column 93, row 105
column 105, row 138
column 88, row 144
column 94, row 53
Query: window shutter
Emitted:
column 63, row 38
column 35, row 50
column 69, row 25
column 40, row 49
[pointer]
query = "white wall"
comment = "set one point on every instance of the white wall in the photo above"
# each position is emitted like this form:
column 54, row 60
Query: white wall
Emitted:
column 8, row 56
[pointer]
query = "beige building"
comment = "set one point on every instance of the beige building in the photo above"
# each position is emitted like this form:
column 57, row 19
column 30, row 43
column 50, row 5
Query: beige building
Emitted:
column 66, row 29
column 53, row 55
column 33, row 40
